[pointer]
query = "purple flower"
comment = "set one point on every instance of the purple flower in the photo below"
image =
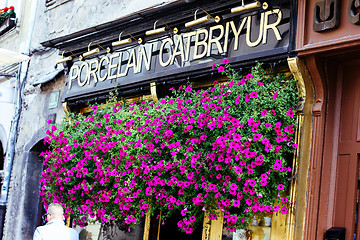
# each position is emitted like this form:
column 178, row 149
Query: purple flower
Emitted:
column 221, row 69
column 275, row 96
column 225, row 61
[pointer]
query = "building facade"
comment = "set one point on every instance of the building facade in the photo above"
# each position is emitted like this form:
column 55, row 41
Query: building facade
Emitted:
column 328, row 41
column 15, row 35
column 110, row 45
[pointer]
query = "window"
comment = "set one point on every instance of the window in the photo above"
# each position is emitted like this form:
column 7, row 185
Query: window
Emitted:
column 50, row 4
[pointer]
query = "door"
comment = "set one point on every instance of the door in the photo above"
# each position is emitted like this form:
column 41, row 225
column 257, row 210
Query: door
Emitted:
column 347, row 187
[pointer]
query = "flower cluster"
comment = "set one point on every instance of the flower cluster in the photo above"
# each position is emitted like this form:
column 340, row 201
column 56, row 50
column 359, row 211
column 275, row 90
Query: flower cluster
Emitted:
column 7, row 13
column 227, row 148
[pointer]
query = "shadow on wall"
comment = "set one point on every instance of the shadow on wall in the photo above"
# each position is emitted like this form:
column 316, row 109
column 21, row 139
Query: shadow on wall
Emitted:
column 2, row 156
column 33, row 207
column 2, row 146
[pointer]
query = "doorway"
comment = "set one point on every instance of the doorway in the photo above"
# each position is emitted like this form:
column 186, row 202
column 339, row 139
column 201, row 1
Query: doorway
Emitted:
column 347, row 163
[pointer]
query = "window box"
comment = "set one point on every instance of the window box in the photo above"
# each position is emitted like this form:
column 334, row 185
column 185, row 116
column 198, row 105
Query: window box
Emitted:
column 7, row 25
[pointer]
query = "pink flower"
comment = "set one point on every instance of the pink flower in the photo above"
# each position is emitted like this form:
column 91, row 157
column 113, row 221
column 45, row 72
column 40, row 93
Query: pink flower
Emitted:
column 275, row 96
column 248, row 201
column 183, row 212
column 249, row 76
column 221, row 69
column 253, row 94
column 263, row 183
column 257, row 136
column 263, row 112
column 276, row 208
column 225, row 61
column 283, row 210
column 290, row 113
column 280, row 187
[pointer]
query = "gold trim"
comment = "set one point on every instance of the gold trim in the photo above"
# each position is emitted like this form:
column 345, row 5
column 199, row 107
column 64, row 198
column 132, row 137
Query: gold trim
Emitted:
column 147, row 227
column 153, row 91
column 300, row 73
column 217, row 226
column 206, row 227
column 68, row 221
column 298, row 189
column 65, row 107
column 159, row 226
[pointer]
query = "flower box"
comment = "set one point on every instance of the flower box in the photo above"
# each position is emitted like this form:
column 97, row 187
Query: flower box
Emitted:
column 7, row 25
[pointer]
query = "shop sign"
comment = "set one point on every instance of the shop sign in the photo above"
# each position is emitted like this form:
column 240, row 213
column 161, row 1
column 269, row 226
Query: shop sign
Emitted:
column 236, row 36
column 54, row 100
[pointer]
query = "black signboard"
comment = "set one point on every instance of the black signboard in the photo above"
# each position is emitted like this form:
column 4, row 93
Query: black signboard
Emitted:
column 243, row 36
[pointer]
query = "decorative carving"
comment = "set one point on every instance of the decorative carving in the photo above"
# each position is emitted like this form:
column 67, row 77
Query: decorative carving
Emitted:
column 326, row 15
column 353, row 11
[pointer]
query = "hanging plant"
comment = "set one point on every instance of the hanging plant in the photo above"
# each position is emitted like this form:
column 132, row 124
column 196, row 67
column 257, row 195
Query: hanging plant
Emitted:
column 6, row 13
column 228, row 147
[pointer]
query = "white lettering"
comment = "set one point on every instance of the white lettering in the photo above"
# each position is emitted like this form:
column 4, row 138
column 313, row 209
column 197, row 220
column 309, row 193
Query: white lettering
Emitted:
column 200, row 43
column 273, row 25
column 161, row 53
column 215, row 40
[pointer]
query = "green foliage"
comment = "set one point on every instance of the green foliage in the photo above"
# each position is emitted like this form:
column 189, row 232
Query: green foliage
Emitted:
column 226, row 148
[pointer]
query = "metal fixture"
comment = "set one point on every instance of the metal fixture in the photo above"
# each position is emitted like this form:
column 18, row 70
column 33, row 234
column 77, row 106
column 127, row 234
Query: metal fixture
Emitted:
column 160, row 30
column 249, row 6
column 69, row 58
column 95, row 50
column 201, row 20
column 125, row 41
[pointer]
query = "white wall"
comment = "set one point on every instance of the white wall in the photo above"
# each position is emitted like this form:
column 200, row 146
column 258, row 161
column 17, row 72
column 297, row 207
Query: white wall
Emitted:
column 7, row 109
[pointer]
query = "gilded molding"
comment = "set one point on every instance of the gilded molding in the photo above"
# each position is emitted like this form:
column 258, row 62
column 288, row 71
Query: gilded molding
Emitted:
column 153, row 91
column 206, row 227
column 300, row 73
column 65, row 107
column 299, row 184
column 147, row 227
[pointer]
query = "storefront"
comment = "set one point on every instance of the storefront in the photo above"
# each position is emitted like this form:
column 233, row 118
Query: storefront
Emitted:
column 143, row 54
